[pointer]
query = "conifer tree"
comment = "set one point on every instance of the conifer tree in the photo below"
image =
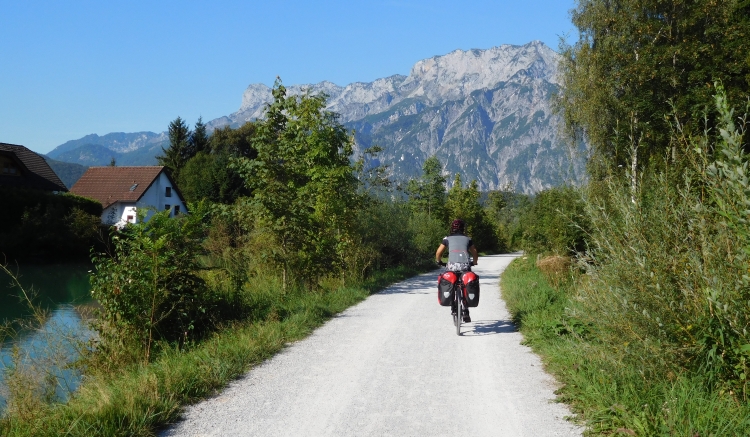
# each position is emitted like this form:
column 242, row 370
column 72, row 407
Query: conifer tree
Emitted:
column 175, row 157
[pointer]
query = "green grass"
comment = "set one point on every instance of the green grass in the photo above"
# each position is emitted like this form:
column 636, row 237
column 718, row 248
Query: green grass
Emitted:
column 141, row 399
column 609, row 394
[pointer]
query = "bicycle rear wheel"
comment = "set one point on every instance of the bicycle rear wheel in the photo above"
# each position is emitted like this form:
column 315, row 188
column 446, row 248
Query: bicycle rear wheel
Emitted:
column 459, row 310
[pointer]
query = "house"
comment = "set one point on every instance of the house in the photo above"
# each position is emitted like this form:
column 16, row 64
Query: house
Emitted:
column 22, row 168
column 124, row 190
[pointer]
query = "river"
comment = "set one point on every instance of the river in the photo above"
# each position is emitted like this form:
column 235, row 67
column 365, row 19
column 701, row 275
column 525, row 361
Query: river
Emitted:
column 45, row 352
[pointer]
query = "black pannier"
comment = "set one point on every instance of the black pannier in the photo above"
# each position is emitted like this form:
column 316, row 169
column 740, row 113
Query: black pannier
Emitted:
column 471, row 282
column 446, row 283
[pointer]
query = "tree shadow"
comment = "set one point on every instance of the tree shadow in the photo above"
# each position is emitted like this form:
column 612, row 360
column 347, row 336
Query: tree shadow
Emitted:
column 424, row 284
column 490, row 327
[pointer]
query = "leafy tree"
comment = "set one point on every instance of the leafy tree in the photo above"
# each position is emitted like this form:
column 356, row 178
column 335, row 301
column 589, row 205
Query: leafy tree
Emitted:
column 178, row 153
column 371, row 174
column 464, row 203
column 640, row 65
column 236, row 142
column 303, row 184
column 555, row 222
column 427, row 194
column 208, row 174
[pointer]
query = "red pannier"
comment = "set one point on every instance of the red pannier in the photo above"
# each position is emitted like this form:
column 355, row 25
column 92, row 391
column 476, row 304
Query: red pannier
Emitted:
column 446, row 283
column 471, row 289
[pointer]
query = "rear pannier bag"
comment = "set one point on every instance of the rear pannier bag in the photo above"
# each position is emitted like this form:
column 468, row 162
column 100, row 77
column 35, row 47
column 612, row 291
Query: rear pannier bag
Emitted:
column 445, row 288
column 471, row 282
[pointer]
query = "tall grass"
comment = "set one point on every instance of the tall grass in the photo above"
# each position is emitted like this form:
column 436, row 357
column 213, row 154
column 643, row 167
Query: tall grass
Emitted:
column 650, row 334
column 668, row 264
column 607, row 391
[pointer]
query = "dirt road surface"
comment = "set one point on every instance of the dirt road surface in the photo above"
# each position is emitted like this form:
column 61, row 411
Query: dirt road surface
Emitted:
column 394, row 366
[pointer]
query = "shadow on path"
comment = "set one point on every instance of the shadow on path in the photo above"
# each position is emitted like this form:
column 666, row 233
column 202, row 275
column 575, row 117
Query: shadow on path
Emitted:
column 424, row 284
column 490, row 327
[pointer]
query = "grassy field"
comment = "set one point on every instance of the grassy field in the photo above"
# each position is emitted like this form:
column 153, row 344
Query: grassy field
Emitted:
column 141, row 399
column 611, row 395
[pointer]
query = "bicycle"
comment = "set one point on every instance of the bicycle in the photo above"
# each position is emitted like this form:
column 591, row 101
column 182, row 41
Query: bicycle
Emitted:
column 459, row 304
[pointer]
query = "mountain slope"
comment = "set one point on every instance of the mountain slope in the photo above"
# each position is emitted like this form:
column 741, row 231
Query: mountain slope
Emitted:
column 484, row 113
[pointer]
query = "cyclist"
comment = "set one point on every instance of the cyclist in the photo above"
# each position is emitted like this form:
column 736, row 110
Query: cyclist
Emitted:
column 459, row 247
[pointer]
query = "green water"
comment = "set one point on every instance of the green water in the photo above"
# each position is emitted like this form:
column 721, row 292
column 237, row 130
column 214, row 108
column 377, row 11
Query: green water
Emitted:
column 54, row 285
column 48, row 349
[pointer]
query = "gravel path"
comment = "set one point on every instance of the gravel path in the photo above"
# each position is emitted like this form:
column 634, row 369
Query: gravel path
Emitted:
column 394, row 366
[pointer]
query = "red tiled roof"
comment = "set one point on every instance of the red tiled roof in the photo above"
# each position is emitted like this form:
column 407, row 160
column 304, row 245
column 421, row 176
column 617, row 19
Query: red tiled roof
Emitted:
column 38, row 173
column 116, row 184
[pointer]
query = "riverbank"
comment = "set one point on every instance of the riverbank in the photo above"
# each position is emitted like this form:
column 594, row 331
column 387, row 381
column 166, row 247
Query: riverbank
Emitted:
column 610, row 395
column 142, row 398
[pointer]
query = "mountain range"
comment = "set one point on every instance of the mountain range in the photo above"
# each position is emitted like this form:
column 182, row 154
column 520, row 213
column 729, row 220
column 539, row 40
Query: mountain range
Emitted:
column 485, row 114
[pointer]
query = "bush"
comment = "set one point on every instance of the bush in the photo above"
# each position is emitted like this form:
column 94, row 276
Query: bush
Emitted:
column 669, row 264
column 150, row 289
column 41, row 226
column 555, row 222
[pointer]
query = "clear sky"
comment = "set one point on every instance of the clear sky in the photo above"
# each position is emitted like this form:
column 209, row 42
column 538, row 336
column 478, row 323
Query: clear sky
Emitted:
column 72, row 68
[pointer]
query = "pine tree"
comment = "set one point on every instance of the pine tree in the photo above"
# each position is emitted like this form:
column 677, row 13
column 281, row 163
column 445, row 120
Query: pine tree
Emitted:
column 175, row 157
column 199, row 141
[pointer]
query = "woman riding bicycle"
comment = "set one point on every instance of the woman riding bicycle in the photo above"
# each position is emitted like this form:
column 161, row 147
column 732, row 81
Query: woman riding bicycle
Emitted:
column 459, row 247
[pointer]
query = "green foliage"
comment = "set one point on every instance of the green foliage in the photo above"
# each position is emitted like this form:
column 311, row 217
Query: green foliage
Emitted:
column 555, row 222
column 464, row 203
column 303, row 185
column 427, row 194
column 639, row 64
column 179, row 151
column 669, row 266
column 199, row 141
column 150, row 289
column 41, row 226
column 209, row 175
column 609, row 393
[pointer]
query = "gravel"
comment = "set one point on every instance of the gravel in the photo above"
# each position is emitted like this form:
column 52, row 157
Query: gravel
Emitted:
column 393, row 365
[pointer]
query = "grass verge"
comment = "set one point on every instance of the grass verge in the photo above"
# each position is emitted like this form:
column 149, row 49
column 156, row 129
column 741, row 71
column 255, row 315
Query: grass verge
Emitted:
column 144, row 398
column 611, row 395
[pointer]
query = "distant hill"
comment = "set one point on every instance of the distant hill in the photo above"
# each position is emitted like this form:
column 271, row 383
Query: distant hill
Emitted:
column 485, row 114
column 68, row 172
column 139, row 148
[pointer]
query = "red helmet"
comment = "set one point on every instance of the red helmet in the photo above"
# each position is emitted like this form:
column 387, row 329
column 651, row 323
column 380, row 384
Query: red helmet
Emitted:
column 458, row 226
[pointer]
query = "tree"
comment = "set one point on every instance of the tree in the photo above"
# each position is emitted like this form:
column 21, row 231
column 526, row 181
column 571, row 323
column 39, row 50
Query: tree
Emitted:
column 303, row 184
column 427, row 194
column 208, row 174
column 464, row 203
column 199, row 141
column 178, row 153
column 640, row 65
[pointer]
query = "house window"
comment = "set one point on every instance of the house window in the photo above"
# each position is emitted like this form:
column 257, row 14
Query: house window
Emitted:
column 130, row 219
column 168, row 193
column 176, row 209
column 167, row 206
column 9, row 169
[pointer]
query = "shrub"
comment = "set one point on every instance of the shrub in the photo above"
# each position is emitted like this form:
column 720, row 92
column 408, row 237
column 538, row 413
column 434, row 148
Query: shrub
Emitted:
column 40, row 226
column 150, row 289
column 669, row 263
column 555, row 222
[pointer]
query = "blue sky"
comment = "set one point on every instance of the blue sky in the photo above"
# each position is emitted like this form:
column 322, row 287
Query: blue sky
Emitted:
column 72, row 68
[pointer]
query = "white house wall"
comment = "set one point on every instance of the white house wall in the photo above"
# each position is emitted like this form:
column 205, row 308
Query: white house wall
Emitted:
column 119, row 214
column 155, row 196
